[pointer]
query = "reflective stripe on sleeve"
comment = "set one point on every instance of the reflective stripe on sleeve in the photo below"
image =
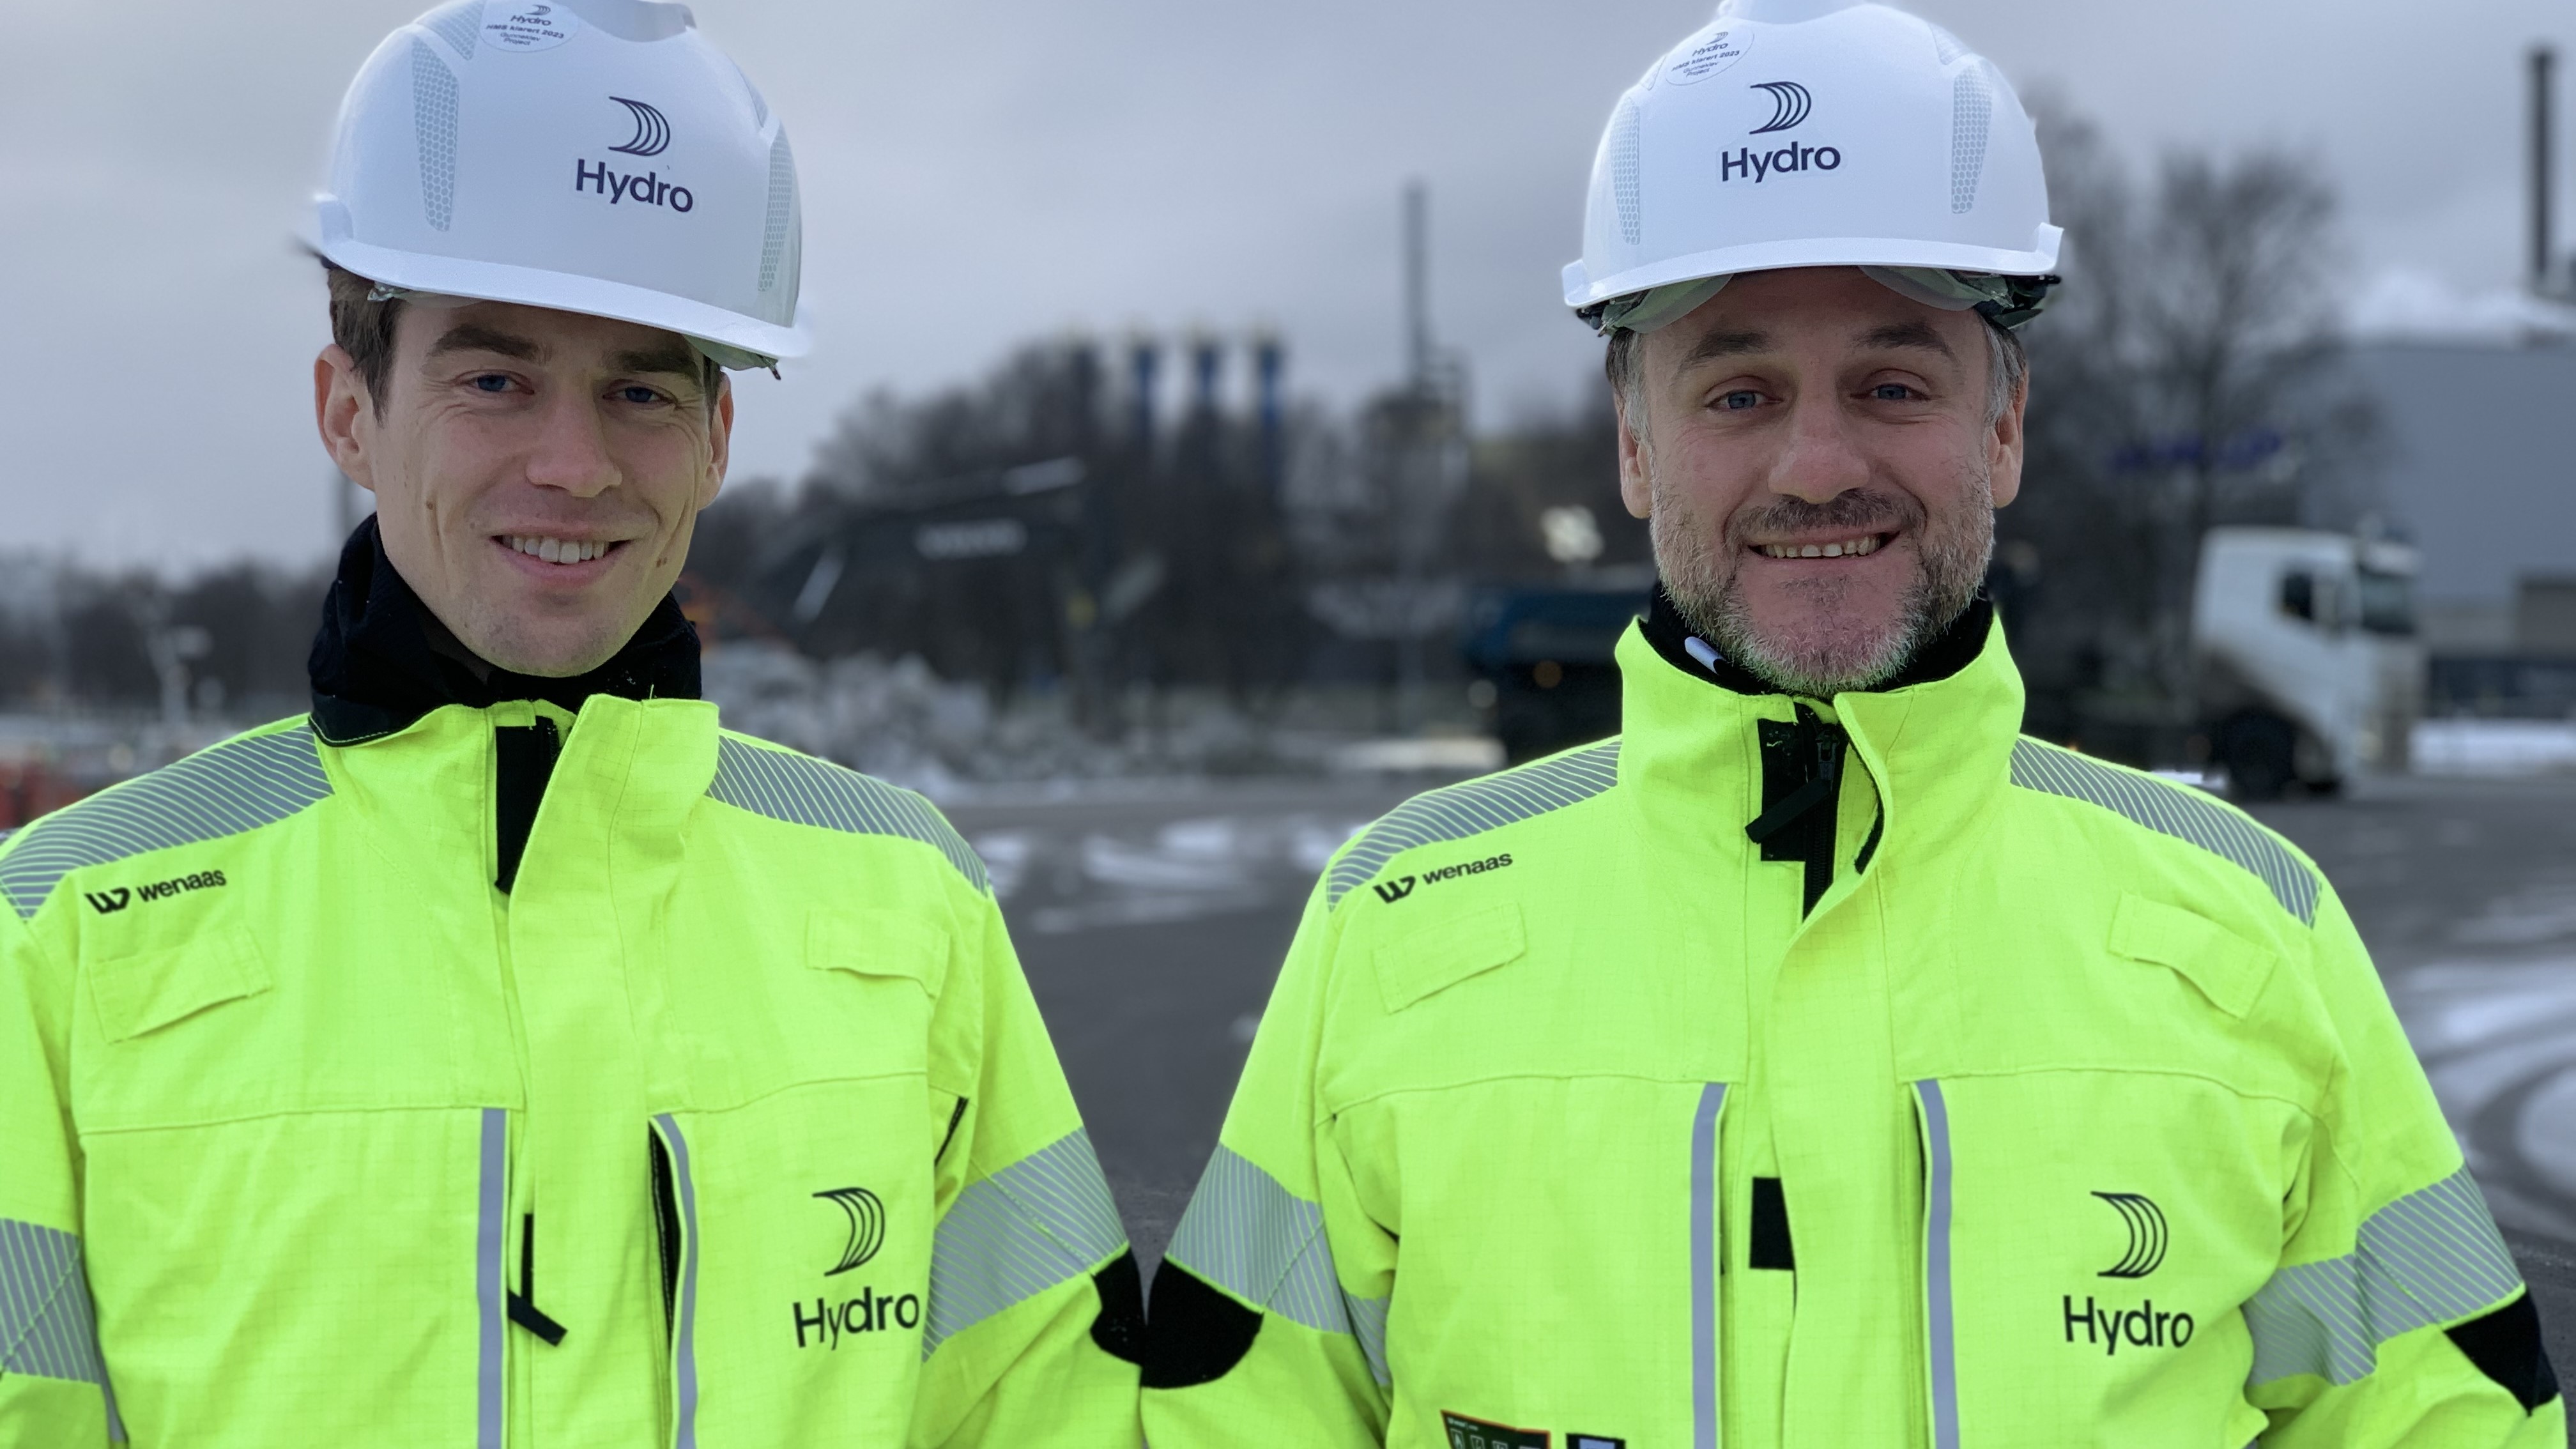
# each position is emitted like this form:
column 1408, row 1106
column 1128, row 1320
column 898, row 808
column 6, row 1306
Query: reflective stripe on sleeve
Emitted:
column 48, row 1327
column 1251, row 1236
column 684, row 1324
column 491, row 1211
column 1703, row 1259
column 2429, row 1257
column 1044, row 1220
column 1939, row 1326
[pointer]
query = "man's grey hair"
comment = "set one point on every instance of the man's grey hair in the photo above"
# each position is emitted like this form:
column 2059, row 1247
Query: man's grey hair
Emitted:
column 2007, row 370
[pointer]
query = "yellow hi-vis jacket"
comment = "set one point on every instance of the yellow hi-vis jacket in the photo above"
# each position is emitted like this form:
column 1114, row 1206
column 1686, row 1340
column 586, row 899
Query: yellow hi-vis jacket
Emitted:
column 730, row 1125
column 1998, row 1099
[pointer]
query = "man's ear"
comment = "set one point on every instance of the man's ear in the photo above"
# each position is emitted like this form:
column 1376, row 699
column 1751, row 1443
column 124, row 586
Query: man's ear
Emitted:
column 2004, row 445
column 1635, row 489
column 342, row 412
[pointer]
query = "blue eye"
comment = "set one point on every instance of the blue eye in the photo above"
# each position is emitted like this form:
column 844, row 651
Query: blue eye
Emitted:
column 1736, row 402
column 640, row 396
column 492, row 382
column 1892, row 392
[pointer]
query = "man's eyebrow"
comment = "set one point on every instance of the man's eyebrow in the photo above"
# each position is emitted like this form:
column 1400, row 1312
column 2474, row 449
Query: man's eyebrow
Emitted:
column 675, row 357
column 474, row 337
column 1917, row 334
column 1725, row 344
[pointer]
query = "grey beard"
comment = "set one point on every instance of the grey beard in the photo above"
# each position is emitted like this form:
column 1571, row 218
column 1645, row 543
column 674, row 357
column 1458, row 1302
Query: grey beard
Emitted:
column 1701, row 568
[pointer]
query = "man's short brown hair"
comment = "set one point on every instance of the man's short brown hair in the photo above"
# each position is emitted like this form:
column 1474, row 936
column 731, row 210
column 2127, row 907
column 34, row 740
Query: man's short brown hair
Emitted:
column 362, row 324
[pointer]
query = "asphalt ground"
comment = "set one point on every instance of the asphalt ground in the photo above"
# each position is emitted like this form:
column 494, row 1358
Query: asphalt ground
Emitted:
column 1151, row 927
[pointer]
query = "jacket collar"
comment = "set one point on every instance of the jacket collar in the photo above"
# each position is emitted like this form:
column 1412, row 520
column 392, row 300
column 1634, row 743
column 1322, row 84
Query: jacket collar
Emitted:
column 1935, row 741
column 382, row 661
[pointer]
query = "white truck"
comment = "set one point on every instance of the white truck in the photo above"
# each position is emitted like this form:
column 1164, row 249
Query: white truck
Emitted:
column 2309, row 671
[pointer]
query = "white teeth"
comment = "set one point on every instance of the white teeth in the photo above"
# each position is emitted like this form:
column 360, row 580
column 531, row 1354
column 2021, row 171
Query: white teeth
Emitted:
column 1853, row 548
column 556, row 550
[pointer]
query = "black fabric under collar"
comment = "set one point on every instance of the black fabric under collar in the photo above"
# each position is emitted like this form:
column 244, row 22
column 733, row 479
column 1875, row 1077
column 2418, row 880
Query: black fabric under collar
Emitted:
column 376, row 668
column 1952, row 650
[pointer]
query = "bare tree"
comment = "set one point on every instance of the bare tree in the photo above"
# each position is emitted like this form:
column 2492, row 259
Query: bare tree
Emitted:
column 2185, row 377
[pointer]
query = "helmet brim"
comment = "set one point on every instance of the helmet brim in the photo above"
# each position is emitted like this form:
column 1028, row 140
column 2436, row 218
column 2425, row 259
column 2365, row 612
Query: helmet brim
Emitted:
column 559, row 291
column 2041, row 258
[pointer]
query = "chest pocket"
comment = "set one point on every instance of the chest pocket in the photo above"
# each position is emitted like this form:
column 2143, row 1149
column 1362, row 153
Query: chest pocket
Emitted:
column 1432, row 958
column 876, row 976
column 2222, row 966
column 142, row 993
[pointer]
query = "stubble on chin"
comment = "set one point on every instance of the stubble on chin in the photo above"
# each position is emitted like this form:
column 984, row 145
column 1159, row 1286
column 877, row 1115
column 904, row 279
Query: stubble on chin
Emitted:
column 1833, row 643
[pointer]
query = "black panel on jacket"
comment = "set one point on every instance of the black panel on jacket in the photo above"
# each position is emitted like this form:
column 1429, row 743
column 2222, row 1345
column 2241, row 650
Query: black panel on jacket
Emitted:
column 2506, row 1347
column 1802, row 771
column 375, row 668
column 1769, row 1246
column 523, row 760
column 1120, row 1327
column 1196, row 1334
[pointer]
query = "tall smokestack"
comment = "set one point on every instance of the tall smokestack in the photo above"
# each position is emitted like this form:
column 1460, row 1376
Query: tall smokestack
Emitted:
column 1144, row 360
column 1417, row 282
column 1269, row 366
column 2543, row 62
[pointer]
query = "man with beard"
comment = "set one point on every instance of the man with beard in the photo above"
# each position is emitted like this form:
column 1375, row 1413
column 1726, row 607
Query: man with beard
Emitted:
column 502, row 1054
column 1820, row 1063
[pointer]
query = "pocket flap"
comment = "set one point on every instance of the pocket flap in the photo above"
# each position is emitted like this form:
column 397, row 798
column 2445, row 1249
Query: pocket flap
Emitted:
column 2224, row 966
column 879, row 943
column 1440, row 954
column 149, row 990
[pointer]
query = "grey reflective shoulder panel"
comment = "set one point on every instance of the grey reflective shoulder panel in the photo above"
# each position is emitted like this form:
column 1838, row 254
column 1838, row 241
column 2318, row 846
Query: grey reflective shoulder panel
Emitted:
column 48, row 1328
column 1045, row 1219
column 2175, row 810
column 1455, row 812
column 226, row 789
column 2432, row 1256
column 1248, row 1234
column 802, row 790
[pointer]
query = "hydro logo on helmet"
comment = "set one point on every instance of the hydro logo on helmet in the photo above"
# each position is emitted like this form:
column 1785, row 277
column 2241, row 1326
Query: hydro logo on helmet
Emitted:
column 1813, row 133
column 594, row 156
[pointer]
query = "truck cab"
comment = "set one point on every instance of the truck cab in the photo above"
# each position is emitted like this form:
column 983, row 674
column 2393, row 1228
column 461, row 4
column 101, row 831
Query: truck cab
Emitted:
column 2308, row 669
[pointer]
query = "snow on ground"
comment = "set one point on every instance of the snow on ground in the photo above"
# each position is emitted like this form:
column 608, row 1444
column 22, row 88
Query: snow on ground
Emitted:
column 2494, row 746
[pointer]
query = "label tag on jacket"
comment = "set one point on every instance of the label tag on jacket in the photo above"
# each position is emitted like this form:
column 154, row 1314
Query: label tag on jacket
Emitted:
column 1466, row 1433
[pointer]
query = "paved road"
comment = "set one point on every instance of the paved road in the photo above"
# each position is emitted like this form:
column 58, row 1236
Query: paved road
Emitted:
column 1152, row 926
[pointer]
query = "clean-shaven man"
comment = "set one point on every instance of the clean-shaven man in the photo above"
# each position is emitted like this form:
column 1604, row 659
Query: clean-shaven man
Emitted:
column 504, row 1054
column 1820, row 1063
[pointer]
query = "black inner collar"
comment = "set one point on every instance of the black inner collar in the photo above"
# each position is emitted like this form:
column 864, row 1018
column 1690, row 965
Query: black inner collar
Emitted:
column 1950, row 651
column 382, row 660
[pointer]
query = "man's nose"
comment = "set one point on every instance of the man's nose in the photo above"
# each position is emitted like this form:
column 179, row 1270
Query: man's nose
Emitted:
column 571, row 451
column 1821, row 460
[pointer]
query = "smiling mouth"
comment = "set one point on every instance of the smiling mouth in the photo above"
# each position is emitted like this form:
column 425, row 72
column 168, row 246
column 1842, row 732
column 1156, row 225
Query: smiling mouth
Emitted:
column 1861, row 546
column 557, row 550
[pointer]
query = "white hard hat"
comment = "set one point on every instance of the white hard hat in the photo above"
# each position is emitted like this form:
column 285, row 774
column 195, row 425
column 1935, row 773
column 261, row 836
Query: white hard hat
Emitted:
column 1816, row 133
column 594, row 156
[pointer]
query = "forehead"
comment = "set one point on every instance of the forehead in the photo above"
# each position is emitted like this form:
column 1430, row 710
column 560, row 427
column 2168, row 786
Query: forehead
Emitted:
column 540, row 334
column 1833, row 311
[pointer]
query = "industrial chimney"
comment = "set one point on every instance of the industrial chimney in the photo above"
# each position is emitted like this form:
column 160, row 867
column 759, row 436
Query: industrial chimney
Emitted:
column 2544, row 63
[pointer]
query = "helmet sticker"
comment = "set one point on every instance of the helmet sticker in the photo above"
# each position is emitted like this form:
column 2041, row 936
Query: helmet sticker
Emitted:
column 511, row 25
column 1710, row 54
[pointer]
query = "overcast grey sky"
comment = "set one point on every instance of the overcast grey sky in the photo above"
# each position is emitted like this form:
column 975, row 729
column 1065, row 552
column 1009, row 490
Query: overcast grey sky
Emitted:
column 977, row 172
